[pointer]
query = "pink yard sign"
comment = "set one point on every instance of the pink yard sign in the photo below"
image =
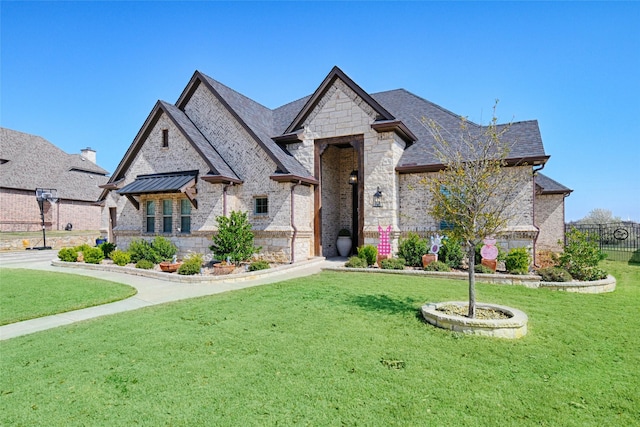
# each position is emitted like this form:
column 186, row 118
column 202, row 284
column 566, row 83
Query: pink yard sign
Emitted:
column 384, row 246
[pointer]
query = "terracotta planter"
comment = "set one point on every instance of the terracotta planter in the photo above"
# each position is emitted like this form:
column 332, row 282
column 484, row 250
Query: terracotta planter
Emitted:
column 170, row 267
column 220, row 269
column 381, row 257
column 428, row 259
column 490, row 263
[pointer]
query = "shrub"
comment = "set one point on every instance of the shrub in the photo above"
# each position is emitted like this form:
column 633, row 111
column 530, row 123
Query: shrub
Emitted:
column 479, row 268
column 164, row 248
column 141, row 249
column 437, row 266
column 120, row 257
column 68, row 255
column 554, row 274
column 393, row 264
column 259, row 265
column 547, row 259
column 518, row 261
column 356, row 262
column 145, row 264
column 451, row 253
column 93, row 255
column 369, row 253
column 107, row 248
column 234, row 239
column 635, row 257
column 581, row 257
column 412, row 248
column 344, row 233
column 191, row 265
column 82, row 248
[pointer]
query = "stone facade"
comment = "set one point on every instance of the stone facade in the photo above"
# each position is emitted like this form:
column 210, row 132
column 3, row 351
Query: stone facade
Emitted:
column 549, row 211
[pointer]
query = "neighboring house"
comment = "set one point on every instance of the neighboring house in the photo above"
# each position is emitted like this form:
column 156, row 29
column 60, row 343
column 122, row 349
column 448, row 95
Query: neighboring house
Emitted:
column 28, row 162
column 339, row 158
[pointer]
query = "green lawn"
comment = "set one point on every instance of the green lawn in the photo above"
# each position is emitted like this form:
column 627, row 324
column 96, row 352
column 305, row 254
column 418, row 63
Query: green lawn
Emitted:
column 334, row 349
column 27, row 294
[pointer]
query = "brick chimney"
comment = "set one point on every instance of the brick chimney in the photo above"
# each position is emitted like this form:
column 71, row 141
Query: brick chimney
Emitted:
column 89, row 154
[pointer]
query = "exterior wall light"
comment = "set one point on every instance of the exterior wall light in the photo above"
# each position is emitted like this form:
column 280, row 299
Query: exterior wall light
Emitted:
column 353, row 177
column 377, row 199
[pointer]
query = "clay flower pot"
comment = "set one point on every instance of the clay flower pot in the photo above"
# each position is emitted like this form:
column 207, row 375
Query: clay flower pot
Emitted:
column 220, row 268
column 170, row 267
column 428, row 259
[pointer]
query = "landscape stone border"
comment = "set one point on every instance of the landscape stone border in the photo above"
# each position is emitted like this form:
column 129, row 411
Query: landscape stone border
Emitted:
column 528, row 280
column 512, row 328
column 593, row 287
column 197, row 278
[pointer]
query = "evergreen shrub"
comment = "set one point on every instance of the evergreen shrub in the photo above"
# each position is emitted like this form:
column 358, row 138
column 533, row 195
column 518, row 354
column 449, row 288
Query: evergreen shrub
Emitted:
column 259, row 265
column 518, row 261
column 393, row 264
column 369, row 253
column 68, row 254
column 412, row 248
column 356, row 262
column 120, row 257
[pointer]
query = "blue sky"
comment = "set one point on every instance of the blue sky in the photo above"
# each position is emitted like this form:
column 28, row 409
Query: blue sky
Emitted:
column 88, row 73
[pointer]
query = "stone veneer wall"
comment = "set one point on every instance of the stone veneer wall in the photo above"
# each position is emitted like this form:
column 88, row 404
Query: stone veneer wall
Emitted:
column 273, row 231
column 341, row 112
column 549, row 210
column 414, row 199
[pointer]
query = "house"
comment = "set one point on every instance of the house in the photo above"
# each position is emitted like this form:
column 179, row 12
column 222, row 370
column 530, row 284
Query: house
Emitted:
column 28, row 162
column 339, row 158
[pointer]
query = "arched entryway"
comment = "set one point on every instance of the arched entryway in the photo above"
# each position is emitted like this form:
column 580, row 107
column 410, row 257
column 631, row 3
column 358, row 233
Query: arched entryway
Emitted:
column 338, row 199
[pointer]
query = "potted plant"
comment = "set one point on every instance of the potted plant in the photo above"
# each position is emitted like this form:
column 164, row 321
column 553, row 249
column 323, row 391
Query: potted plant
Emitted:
column 344, row 242
column 170, row 266
column 428, row 258
column 224, row 267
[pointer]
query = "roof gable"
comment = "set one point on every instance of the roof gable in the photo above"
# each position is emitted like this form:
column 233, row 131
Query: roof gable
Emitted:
column 335, row 74
column 255, row 119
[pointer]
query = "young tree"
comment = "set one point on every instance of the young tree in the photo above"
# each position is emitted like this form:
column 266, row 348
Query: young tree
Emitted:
column 475, row 190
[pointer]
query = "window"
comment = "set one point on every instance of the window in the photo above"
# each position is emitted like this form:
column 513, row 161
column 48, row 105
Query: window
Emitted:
column 167, row 215
column 151, row 216
column 165, row 138
column 261, row 206
column 185, row 216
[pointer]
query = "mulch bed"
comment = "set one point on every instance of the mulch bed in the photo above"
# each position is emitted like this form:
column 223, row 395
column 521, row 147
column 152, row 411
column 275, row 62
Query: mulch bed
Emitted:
column 481, row 313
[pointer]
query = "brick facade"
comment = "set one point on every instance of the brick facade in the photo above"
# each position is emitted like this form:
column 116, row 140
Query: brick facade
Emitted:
column 21, row 212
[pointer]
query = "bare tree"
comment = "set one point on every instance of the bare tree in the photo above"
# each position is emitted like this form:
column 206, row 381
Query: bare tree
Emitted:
column 475, row 190
column 600, row 216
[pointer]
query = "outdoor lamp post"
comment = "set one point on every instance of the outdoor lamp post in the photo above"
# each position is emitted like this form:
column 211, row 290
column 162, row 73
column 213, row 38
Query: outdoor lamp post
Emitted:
column 44, row 195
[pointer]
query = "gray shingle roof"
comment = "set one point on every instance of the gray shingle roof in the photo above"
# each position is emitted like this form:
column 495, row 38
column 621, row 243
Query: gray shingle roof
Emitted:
column 411, row 109
column 33, row 162
column 260, row 121
column 549, row 186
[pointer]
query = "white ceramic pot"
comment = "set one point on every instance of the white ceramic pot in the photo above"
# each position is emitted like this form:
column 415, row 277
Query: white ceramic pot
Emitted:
column 344, row 245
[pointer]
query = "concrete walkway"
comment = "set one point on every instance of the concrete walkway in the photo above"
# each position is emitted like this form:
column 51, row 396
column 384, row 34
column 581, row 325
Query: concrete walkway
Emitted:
column 151, row 291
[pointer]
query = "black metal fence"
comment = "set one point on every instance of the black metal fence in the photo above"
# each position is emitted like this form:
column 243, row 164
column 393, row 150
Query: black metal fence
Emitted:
column 618, row 240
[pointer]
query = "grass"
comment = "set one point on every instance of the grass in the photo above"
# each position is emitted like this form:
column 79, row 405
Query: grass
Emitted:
column 334, row 349
column 27, row 294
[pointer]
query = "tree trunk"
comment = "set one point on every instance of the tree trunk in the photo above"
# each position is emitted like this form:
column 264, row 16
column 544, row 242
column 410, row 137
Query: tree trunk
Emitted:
column 471, row 255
